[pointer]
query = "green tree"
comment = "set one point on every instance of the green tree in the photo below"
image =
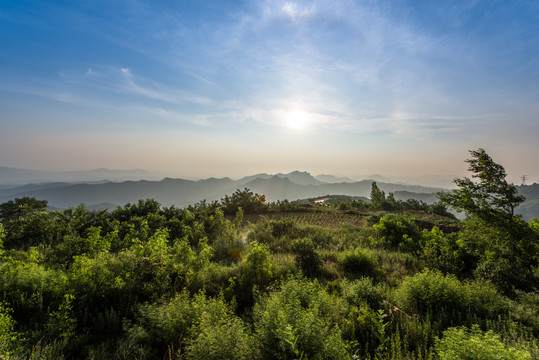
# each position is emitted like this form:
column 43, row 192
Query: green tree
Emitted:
column 491, row 197
column 377, row 195
column 506, row 254
column 245, row 199
column 14, row 209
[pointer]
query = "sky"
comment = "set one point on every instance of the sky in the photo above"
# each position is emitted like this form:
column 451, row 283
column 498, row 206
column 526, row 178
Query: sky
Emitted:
column 233, row 88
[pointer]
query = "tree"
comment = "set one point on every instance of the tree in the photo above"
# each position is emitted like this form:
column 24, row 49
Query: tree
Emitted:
column 377, row 195
column 490, row 198
column 504, row 244
column 246, row 199
column 14, row 209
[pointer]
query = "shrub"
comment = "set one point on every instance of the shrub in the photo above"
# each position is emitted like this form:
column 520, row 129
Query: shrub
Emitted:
column 227, row 338
column 314, row 316
column 306, row 256
column 258, row 267
column 31, row 289
column 172, row 323
column 358, row 262
column 9, row 338
column 398, row 232
column 446, row 297
column 431, row 290
column 361, row 291
column 473, row 344
column 442, row 251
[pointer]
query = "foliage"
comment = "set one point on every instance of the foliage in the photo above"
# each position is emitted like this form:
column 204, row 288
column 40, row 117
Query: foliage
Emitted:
column 398, row 232
column 377, row 195
column 432, row 292
column 228, row 338
column 306, row 256
column 258, row 268
column 9, row 338
column 244, row 199
column 141, row 209
column 304, row 306
column 491, row 198
column 174, row 322
column 299, row 282
column 443, row 252
column 358, row 262
column 20, row 207
column 462, row 343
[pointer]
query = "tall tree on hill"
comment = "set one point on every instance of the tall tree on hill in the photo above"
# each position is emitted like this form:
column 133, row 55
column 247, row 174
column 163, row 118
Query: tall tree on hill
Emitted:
column 505, row 246
column 377, row 195
column 490, row 198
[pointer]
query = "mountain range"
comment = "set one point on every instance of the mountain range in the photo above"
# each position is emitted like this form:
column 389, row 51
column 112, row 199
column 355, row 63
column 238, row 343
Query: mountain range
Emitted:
column 14, row 176
column 99, row 192
column 182, row 192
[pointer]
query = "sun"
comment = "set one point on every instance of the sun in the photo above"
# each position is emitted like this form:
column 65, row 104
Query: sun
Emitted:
column 296, row 119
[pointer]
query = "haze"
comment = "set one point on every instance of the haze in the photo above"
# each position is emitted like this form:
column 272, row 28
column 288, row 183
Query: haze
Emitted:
column 232, row 88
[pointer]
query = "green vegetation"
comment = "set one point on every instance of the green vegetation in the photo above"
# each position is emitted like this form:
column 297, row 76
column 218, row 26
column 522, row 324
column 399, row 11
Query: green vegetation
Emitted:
column 245, row 279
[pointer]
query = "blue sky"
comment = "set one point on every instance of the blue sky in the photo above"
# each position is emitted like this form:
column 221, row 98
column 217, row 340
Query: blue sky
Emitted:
column 230, row 88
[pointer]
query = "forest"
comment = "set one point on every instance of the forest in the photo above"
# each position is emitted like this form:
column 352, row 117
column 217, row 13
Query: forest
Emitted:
column 243, row 278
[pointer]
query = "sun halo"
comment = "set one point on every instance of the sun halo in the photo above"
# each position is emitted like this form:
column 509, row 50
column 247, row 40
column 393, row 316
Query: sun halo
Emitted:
column 296, row 119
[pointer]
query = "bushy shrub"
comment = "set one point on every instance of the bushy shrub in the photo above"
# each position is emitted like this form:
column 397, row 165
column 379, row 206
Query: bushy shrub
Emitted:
column 228, row 338
column 277, row 234
column 175, row 322
column 31, row 289
column 9, row 338
column 358, row 262
column 361, row 291
column 398, row 232
column 443, row 252
column 432, row 292
column 306, row 256
column 312, row 314
column 473, row 344
column 254, row 275
column 258, row 268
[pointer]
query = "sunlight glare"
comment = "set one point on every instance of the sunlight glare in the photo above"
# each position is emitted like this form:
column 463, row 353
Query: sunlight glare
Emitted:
column 296, row 119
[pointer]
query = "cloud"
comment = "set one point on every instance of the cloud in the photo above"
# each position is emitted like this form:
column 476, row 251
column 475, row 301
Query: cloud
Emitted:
column 123, row 80
column 270, row 11
column 298, row 13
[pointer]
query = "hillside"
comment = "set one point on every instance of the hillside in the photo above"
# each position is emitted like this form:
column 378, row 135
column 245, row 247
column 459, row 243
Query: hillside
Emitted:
column 338, row 280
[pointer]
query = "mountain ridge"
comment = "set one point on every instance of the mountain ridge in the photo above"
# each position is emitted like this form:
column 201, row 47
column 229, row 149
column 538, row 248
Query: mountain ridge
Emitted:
column 182, row 192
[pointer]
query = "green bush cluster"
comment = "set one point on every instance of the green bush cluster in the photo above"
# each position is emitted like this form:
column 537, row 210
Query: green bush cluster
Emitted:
column 398, row 232
column 462, row 343
column 359, row 262
column 146, row 282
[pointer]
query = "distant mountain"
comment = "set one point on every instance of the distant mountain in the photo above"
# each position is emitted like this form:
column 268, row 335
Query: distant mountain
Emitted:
column 377, row 177
column 530, row 207
column 300, row 178
column 107, row 189
column 332, row 179
column 102, row 206
column 181, row 192
column 428, row 198
column 246, row 179
column 15, row 176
